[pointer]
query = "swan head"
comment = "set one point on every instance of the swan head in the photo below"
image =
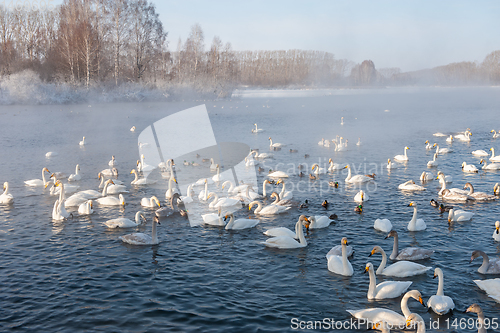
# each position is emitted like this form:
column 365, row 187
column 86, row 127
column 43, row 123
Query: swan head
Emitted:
column 253, row 203
column 131, row 172
column 275, row 195
column 393, row 233
column 389, row 161
column 437, row 271
column 412, row 204
column 492, row 131
column 376, row 249
column 414, row 319
column 407, row 148
column 497, row 227
column 481, row 162
column 280, row 181
column 491, row 148
column 369, row 267
column 45, row 170
column 467, row 185
column 122, row 199
column 426, row 141
column 156, row 201
column 114, row 171
column 344, row 241
column 156, row 219
column 463, row 164
column 475, row 254
column 496, row 189
column 474, row 308
column 315, row 165
column 330, row 160
column 346, row 167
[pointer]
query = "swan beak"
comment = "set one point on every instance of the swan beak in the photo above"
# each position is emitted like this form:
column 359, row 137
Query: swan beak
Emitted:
column 371, row 253
column 131, row 172
column 408, row 322
column 158, row 203
column 449, row 220
column 366, row 269
column 498, row 231
column 435, row 276
column 421, row 300
column 410, row 204
column 345, row 167
column 306, row 219
column 386, row 237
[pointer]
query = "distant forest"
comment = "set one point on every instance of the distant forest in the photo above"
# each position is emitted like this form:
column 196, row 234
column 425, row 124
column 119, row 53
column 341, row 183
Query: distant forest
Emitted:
column 121, row 45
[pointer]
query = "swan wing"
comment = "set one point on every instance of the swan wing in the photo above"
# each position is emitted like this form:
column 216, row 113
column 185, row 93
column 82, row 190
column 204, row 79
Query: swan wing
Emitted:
column 376, row 315
column 320, row 222
column 245, row 224
column 391, row 289
column 282, row 242
column 404, row 269
column 137, row 238
column 414, row 253
column 120, row 223
column 337, row 251
column 491, row 287
column 440, row 304
column 280, row 231
column 384, row 225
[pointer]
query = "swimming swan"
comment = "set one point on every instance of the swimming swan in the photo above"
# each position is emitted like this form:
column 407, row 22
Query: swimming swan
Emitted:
column 492, row 166
column 408, row 253
column 6, row 197
column 480, row 317
column 415, row 224
column 285, row 242
column 496, row 233
column 491, row 287
column 383, row 225
column 479, row 152
column 340, row 264
column 240, row 224
column 400, row 269
column 275, row 145
column 111, row 201
column 391, row 165
column 38, row 182
column 75, row 176
column 411, row 186
column 479, row 196
column 126, row 223
column 140, row 238
column 489, row 266
column 386, row 289
column 442, row 150
column 86, row 208
column 433, row 163
column 284, row 195
column 317, row 170
column 318, row 222
column 469, row 167
column 151, row 202
column 402, row 158
column 271, row 209
column 494, row 158
column 440, row 303
column 361, row 197
column 256, row 129
column 357, row 178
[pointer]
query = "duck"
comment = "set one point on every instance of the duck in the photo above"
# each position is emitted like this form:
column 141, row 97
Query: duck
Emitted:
column 257, row 130
column 391, row 165
column 428, row 145
column 340, row 264
column 239, row 224
column 426, row 177
column 286, row 242
column 496, row 233
column 442, row 150
column 325, row 204
column 415, row 224
column 293, row 150
column 122, row 222
column 275, row 145
column 494, row 158
column 139, row 238
column 333, row 166
column 311, row 177
column 333, row 184
column 355, row 179
column 447, row 195
column 444, row 209
column 491, row 166
column 392, row 318
column 317, row 170
column 271, row 209
column 386, row 289
column 433, row 163
column 86, row 208
column 372, row 175
column 492, row 289
column 489, row 266
column 495, row 134
column 151, row 202
column 434, row 203
column 318, row 222
column 82, row 143
column 480, row 152
column 6, row 197
column 38, row 182
column 305, row 204
column 401, row 268
column 75, row 176
column 475, row 308
column 439, row 303
column 411, row 186
column 479, row 196
column 402, row 158
column 112, row 162
column 469, row 168
column 408, row 253
column 449, row 139
column 111, row 201
column 358, row 209
column 383, row 225
column 361, row 196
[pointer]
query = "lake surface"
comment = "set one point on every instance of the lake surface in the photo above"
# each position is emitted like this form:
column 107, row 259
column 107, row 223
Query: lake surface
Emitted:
column 77, row 275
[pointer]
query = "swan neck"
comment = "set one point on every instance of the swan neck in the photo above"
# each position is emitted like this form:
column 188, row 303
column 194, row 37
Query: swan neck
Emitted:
column 282, row 193
column 259, row 207
column 264, row 188
column 206, row 191
column 395, row 248
column 413, row 221
column 300, row 233
column 105, row 189
column 440, row 291
column 345, row 262
column 480, row 318
column 381, row 268
column 276, row 200
column 61, row 194
column 404, row 305
column 135, row 175
column 101, row 185
column 348, row 173
column 373, row 282
column 230, row 224
column 486, row 263
column 43, row 177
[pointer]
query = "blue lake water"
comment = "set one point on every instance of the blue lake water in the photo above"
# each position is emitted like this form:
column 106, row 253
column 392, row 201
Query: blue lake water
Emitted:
column 77, row 275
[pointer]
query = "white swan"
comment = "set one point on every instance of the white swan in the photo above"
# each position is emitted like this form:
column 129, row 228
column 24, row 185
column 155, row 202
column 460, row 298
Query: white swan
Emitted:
column 480, row 317
column 38, row 182
column 494, row 158
column 278, row 174
column 140, row 181
column 6, row 197
column 392, row 318
column 188, row 198
column 234, row 189
column 440, row 303
column 402, row 158
column 492, row 166
column 333, row 166
column 391, row 165
column 428, row 146
column 401, row 268
column 361, row 197
column 75, row 176
column 495, row 134
column 453, row 190
column 59, row 212
column 416, row 320
column 426, row 177
column 285, row 196
column 112, row 201
column 439, row 134
column 222, row 202
column 103, row 180
column 132, row 129
column 359, row 142
column 433, row 163
column 143, row 167
column 386, row 289
column 479, row 196
column 82, row 143
column 318, row 222
column 122, row 222
column 240, row 224
column 356, row 178
column 256, row 129
column 217, row 177
column 408, row 253
column 480, row 152
column 285, row 242
column 213, row 166
column 340, row 264
column 75, row 200
column 415, row 224
column 491, row 287
column 110, row 172
column 447, row 195
column 203, row 195
column 496, row 189
column 86, row 208
column 442, row 150
column 459, row 215
column 272, row 209
column 383, row 225
column 151, row 202
column 170, row 191
column 465, row 136
column 112, row 162
column 317, row 170
column 280, row 231
column 489, row 266
column 249, row 162
column 469, row 167
column 496, row 233
column 441, row 177
column 411, row 186
column 51, row 154
column 449, row 139
column 275, row 145
column 264, row 193
column 139, row 238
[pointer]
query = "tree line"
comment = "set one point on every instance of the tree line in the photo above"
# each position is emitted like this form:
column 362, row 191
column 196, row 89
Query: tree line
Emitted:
column 111, row 42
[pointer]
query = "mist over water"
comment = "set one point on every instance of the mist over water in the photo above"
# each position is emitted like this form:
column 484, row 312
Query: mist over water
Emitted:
column 77, row 276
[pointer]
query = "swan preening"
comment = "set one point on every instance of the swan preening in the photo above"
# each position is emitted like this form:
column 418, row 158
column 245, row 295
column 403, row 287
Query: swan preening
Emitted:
column 410, row 186
column 459, row 215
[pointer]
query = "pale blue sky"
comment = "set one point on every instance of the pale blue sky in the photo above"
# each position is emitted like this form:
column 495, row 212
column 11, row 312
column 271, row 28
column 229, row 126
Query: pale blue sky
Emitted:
column 410, row 34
